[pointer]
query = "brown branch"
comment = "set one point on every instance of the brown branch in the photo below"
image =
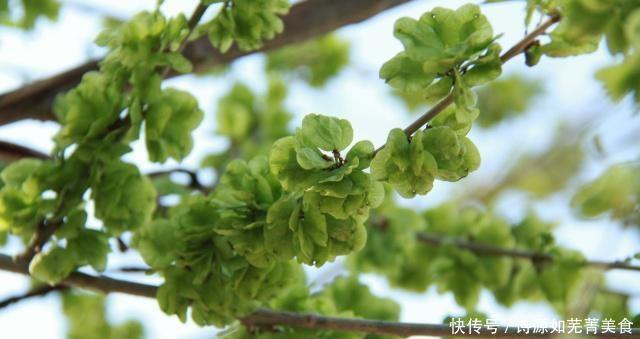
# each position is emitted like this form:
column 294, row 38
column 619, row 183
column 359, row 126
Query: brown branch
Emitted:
column 262, row 318
column 191, row 25
column 536, row 257
column 81, row 280
column 36, row 292
column 194, row 181
column 132, row 269
column 122, row 246
column 43, row 232
column 265, row 318
column 518, row 48
column 305, row 20
column 523, row 44
column 10, row 152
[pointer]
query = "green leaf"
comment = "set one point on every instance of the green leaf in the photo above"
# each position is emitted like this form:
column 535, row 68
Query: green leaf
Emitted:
column 246, row 23
column 438, row 42
column 376, row 194
column 172, row 295
column 53, row 265
column 350, row 295
column 615, row 191
column 622, row 79
column 284, row 164
column 405, row 74
column 458, row 119
column 463, row 96
column 21, row 202
column 88, row 110
column 532, row 55
column 156, row 242
column 25, row 14
column 235, row 114
column 18, row 173
column 506, row 98
column 559, row 48
column 363, row 151
column 277, row 235
column 169, row 125
column 443, row 37
column 124, row 199
column 326, row 133
column 439, row 89
column 73, row 225
column 486, row 68
column 585, row 23
column 178, row 62
column 315, row 61
column 455, row 155
column 559, row 279
column 407, row 166
column 87, row 318
column 311, row 158
column 90, row 247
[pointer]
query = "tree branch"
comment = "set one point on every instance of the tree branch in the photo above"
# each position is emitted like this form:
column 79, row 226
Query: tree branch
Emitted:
column 269, row 318
column 518, row 48
column 536, row 257
column 122, row 246
column 266, row 318
column 305, row 20
column 81, row 280
column 36, row 292
column 43, row 232
column 195, row 18
column 194, row 181
column 132, row 269
column 10, row 152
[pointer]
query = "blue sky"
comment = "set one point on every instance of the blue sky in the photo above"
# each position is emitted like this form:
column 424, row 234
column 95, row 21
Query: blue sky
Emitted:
column 360, row 96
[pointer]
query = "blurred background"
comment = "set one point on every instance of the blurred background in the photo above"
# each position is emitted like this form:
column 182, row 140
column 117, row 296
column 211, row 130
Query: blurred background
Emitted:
column 559, row 114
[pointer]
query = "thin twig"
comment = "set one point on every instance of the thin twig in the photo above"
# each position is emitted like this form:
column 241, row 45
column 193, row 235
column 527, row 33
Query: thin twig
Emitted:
column 43, row 232
column 81, row 280
column 132, row 269
column 191, row 25
column 265, row 317
column 523, row 44
column 382, row 224
column 36, row 292
column 536, row 257
column 122, row 246
column 11, row 152
column 518, row 48
column 268, row 319
column 194, row 181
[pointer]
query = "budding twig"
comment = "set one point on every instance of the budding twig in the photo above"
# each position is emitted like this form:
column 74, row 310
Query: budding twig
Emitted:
column 36, row 292
column 483, row 249
column 518, row 48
